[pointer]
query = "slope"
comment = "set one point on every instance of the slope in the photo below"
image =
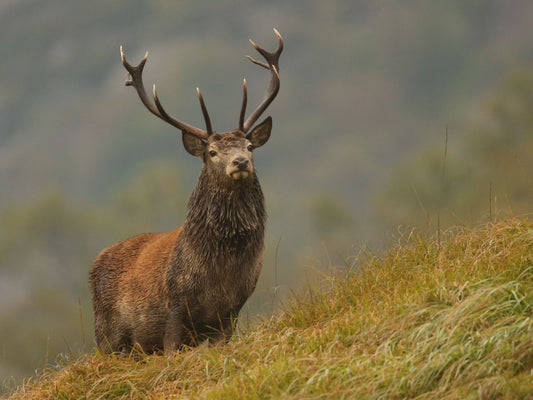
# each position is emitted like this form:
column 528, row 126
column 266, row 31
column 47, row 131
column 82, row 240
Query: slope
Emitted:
column 427, row 320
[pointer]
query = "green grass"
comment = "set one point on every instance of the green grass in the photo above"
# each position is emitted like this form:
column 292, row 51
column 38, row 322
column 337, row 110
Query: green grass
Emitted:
column 425, row 321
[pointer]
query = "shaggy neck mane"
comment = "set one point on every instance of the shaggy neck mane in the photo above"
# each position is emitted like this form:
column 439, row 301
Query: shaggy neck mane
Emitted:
column 225, row 218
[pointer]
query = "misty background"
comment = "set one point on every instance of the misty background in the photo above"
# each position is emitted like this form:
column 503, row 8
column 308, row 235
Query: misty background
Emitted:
column 391, row 115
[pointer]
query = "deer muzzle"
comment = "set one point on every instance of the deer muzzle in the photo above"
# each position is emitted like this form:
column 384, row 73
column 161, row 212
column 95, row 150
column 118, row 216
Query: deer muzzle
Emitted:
column 239, row 168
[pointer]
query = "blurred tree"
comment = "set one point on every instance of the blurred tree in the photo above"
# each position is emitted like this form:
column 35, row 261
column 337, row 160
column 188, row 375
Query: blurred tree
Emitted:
column 500, row 143
column 490, row 172
column 45, row 248
column 332, row 225
column 45, row 324
column 153, row 199
column 329, row 216
column 47, row 239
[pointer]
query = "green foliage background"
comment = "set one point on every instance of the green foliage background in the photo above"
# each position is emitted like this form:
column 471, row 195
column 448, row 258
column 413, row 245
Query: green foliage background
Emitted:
column 358, row 146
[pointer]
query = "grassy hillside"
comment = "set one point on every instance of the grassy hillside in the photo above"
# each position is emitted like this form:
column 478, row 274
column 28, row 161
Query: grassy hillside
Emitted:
column 428, row 320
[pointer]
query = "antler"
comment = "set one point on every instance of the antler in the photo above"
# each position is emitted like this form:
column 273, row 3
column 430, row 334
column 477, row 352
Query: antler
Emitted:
column 273, row 87
column 135, row 79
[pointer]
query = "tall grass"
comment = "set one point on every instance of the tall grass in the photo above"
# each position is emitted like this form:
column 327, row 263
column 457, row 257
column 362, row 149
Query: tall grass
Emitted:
column 426, row 320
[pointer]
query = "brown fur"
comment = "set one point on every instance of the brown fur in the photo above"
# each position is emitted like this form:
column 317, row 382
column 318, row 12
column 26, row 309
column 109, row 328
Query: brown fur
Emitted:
column 160, row 291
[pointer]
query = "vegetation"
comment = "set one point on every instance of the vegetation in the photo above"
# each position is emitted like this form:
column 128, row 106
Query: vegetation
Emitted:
column 448, row 318
column 471, row 174
column 357, row 148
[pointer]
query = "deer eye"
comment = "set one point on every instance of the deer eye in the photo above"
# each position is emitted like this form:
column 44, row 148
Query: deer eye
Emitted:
column 250, row 147
column 212, row 153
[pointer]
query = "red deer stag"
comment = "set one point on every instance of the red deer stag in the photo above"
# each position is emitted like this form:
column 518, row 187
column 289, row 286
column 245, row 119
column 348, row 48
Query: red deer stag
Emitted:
column 162, row 291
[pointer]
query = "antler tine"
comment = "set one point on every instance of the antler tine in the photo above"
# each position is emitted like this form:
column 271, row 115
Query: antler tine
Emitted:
column 243, row 106
column 262, row 64
column 135, row 79
column 272, row 64
column 268, row 56
column 204, row 112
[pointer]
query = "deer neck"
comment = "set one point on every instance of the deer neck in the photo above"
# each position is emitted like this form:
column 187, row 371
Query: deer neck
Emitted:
column 230, row 215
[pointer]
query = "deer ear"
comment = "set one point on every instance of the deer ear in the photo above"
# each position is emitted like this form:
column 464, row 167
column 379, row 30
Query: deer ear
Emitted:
column 260, row 134
column 192, row 144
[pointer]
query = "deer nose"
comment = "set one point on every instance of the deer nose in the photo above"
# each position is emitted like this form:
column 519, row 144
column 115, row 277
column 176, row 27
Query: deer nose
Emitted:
column 241, row 163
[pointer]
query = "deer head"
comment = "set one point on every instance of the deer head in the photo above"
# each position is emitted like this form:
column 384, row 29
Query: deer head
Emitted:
column 228, row 153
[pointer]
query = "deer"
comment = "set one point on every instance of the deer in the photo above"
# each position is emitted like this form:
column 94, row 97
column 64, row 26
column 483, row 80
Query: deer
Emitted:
column 163, row 292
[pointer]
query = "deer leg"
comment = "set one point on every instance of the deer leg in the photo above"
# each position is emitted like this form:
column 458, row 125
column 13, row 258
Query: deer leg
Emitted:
column 174, row 330
column 111, row 336
column 226, row 328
